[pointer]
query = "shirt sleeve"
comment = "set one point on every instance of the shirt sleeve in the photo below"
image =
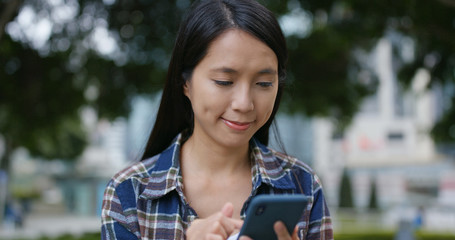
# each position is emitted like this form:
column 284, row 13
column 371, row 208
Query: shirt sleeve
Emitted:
column 117, row 222
column 320, row 223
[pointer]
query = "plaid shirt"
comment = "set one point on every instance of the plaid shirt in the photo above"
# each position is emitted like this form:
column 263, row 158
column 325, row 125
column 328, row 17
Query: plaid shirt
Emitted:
column 146, row 201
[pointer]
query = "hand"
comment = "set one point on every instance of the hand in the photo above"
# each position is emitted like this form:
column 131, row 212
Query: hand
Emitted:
column 218, row 226
column 281, row 232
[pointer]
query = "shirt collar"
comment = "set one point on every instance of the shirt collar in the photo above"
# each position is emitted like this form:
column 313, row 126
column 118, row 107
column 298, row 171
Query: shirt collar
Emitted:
column 165, row 175
column 268, row 168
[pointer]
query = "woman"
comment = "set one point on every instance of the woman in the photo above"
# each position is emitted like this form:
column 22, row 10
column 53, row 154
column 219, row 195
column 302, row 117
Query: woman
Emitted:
column 206, row 156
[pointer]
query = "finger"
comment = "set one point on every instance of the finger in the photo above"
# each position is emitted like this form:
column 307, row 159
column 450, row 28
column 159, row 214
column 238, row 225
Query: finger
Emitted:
column 295, row 234
column 228, row 209
column 245, row 238
column 212, row 236
column 219, row 229
column 230, row 225
column 236, row 222
column 281, row 231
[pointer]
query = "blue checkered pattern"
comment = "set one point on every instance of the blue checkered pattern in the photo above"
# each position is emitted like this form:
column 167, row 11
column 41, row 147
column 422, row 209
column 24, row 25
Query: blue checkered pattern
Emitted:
column 146, row 201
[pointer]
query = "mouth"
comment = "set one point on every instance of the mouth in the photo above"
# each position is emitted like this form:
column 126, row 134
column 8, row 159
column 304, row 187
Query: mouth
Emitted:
column 239, row 126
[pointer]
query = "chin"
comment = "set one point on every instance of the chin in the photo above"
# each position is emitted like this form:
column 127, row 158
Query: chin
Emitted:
column 235, row 141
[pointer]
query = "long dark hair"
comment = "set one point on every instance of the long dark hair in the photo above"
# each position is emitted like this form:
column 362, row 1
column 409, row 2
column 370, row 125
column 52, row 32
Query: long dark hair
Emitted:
column 205, row 21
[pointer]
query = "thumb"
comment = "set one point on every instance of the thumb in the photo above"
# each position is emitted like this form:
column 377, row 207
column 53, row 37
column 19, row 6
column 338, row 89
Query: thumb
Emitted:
column 280, row 230
column 295, row 233
column 228, row 209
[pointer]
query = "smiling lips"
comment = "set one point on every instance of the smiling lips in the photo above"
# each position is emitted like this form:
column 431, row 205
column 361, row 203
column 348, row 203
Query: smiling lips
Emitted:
column 239, row 126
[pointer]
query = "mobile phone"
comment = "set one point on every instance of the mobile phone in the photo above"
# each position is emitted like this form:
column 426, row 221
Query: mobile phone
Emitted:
column 265, row 210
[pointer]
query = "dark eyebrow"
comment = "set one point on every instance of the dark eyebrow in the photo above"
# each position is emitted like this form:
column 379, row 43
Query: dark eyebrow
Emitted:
column 224, row 70
column 233, row 71
column 268, row 71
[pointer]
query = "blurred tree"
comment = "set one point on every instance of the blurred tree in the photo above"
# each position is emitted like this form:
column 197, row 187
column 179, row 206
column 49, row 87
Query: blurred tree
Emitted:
column 373, row 205
column 345, row 196
column 44, row 85
column 59, row 56
column 38, row 108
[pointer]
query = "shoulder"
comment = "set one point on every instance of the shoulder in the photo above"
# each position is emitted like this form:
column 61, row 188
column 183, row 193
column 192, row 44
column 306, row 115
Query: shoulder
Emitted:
column 274, row 161
column 136, row 173
column 154, row 176
column 289, row 162
column 301, row 172
column 123, row 190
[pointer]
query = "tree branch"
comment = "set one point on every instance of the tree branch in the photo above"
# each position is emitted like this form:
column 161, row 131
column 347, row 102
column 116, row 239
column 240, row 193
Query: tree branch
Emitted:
column 450, row 3
column 10, row 10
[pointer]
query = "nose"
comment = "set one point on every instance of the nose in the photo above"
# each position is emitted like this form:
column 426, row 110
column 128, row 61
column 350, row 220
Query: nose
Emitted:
column 242, row 99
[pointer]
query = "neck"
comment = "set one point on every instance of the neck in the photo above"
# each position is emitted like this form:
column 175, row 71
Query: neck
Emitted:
column 207, row 157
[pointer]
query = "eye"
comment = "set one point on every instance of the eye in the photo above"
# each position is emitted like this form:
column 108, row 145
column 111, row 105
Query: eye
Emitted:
column 223, row 83
column 265, row 84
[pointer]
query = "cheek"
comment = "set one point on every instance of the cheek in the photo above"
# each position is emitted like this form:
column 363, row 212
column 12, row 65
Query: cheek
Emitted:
column 207, row 102
column 265, row 108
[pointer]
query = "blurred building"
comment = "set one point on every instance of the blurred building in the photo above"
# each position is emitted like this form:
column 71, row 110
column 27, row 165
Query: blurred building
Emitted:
column 113, row 146
column 389, row 144
column 82, row 186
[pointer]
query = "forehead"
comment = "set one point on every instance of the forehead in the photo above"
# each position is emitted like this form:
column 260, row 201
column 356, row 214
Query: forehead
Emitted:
column 239, row 50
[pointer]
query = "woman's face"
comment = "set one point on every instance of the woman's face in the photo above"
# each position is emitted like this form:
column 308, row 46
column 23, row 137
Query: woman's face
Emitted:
column 233, row 89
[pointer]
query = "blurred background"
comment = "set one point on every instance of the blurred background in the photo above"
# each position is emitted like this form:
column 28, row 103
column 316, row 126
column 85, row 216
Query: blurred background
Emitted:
column 370, row 105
